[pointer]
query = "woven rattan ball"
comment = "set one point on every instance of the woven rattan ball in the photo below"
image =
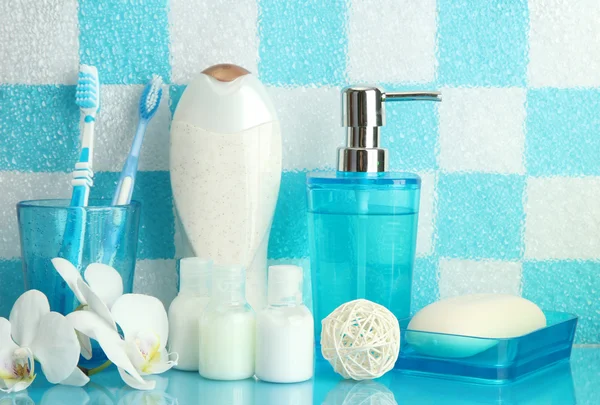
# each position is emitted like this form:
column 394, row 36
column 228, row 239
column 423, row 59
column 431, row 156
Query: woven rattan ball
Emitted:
column 361, row 340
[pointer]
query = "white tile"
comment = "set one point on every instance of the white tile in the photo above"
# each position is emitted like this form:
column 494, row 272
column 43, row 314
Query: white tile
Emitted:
column 562, row 218
column 17, row 187
column 426, row 215
column 40, row 41
column 392, row 41
column 482, row 130
column 461, row 277
column 157, row 278
column 204, row 33
column 563, row 40
column 310, row 126
column 116, row 126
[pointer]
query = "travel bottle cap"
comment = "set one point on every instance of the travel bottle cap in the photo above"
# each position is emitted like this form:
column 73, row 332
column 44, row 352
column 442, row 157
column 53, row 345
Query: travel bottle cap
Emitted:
column 285, row 284
column 195, row 275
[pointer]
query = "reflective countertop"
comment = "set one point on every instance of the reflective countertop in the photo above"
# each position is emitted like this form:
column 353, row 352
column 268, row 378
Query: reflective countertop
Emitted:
column 574, row 382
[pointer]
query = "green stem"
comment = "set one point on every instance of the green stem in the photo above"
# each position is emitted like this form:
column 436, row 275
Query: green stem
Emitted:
column 91, row 371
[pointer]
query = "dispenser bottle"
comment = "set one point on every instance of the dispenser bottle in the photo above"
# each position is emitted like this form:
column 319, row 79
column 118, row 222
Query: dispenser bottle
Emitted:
column 185, row 310
column 225, row 164
column 362, row 219
column 284, row 330
column 227, row 328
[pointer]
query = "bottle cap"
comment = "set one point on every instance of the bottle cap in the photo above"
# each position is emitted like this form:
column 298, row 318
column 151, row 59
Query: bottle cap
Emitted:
column 195, row 275
column 285, row 284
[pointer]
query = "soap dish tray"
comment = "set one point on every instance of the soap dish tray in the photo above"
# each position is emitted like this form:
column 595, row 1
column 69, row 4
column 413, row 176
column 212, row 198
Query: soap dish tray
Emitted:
column 483, row 360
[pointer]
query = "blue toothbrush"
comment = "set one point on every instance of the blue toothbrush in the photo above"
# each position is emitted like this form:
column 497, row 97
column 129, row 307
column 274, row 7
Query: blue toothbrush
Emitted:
column 87, row 97
column 149, row 103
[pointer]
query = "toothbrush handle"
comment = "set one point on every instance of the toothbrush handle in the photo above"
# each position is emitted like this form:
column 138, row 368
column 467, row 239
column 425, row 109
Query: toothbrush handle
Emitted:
column 87, row 140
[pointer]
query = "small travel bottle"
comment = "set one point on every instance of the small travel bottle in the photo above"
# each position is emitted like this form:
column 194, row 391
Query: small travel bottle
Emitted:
column 227, row 328
column 362, row 219
column 284, row 330
column 185, row 310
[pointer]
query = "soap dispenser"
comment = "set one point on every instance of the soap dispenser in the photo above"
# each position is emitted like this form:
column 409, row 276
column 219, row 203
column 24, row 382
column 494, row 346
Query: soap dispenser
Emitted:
column 362, row 219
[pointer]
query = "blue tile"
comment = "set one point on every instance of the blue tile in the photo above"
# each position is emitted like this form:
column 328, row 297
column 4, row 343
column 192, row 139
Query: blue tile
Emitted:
column 39, row 128
column 411, row 134
column 11, row 287
column 175, row 93
column 425, row 286
column 567, row 286
column 157, row 224
column 127, row 41
column 482, row 43
column 480, row 216
column 562, row 132
column 289, row 234
column 302, row 42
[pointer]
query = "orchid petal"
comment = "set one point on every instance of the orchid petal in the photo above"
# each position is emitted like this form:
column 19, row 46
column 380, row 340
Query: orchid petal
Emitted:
column 95, row 304
column 17, row 369
column 105, row 281
column 92, row 325
column 163, row 362
column 70, row 274
column 25, row 316
column 56, row 347
column 135, row 383
column 6, row 341
column 76, row 379
column 137, row 313
column 85, row 344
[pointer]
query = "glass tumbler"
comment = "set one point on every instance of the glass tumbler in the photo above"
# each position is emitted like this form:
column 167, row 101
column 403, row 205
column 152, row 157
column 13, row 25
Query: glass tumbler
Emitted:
column 42, row 225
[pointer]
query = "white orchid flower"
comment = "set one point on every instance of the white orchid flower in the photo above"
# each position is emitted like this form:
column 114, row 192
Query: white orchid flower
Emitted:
column 145, row 327
column 103, row 285
column 31, row 333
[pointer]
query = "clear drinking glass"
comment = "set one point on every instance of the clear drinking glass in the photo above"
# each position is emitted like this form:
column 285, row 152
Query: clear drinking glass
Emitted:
column 42, row 225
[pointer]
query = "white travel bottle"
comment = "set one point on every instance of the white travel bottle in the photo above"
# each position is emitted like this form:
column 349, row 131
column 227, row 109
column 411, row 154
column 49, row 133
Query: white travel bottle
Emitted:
column 225, row 163
column 186, row 308
column 284, row 330
column 227, row 328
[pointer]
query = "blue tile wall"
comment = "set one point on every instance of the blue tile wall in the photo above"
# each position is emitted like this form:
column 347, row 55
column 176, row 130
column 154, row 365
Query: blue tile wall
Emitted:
column 308, row 48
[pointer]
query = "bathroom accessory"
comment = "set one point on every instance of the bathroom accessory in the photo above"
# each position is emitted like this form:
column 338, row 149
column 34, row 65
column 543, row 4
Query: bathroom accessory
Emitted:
column 361, row 340
column 225, row 170
column 227, row 328
column 87, row 97
column 489, row 316
column 506, row 360
column 149, row 102
column 362, row 219
column 284, row 330
column 42, row 227
column 186, row 308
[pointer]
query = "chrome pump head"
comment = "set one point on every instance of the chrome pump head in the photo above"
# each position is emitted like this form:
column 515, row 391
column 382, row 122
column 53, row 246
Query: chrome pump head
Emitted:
column 363, row 114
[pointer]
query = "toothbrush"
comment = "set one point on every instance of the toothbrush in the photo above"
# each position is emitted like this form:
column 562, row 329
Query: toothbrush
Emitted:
column 149, row 103
column 87, row 97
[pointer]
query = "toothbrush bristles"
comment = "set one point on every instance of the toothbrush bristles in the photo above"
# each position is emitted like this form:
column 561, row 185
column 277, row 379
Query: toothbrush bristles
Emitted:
column 88, row 86
column 151, row 97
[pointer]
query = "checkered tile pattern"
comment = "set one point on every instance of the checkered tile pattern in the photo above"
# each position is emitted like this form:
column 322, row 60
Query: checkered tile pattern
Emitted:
column 510, row 160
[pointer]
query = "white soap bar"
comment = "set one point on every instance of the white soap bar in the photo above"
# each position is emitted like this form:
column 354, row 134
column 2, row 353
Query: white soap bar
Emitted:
column 489, row 316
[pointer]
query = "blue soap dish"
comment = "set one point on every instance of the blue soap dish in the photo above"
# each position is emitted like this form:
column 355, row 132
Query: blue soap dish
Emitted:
column 483, row 360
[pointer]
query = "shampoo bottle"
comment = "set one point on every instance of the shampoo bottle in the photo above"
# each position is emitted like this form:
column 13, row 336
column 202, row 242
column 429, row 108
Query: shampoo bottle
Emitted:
column 227, row 328
column 362, row 219
column 225, row 165
column 185, row 310
column 284, row 330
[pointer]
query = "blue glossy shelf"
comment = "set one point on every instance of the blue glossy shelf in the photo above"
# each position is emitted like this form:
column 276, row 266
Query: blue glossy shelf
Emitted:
column 488, row 361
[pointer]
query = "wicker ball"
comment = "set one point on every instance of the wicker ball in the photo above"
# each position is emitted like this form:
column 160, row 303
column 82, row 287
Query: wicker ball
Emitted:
column 361, row 340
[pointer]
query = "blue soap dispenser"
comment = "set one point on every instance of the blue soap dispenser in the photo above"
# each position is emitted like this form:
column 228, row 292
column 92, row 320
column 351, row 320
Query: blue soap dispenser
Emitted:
column 362, row 219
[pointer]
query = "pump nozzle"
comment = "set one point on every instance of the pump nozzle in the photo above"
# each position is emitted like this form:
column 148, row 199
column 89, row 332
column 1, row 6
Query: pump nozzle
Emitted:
column 363, row 114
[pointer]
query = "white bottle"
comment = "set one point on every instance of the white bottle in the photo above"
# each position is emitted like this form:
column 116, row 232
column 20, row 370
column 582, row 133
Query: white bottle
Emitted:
column 284, row 330
column 227, row 328
column 185, row 310
column 225, row 164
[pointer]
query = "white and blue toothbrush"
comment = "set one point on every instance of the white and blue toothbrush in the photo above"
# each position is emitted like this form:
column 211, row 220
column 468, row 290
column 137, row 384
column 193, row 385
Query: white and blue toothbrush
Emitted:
column 87, row 97
column 149, row 103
